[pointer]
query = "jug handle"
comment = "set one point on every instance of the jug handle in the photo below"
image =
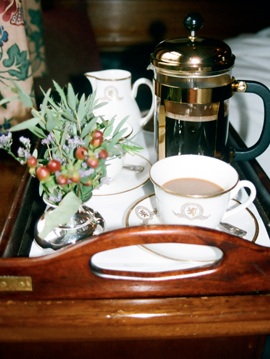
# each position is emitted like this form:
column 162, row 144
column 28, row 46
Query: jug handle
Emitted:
column 137, row 83
column 261, row 145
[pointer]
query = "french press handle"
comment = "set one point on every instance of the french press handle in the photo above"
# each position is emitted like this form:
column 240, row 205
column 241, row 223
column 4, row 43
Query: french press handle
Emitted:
column 263, row 142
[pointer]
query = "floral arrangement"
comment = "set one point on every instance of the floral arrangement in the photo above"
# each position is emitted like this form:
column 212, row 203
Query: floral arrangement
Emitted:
column 70, row 161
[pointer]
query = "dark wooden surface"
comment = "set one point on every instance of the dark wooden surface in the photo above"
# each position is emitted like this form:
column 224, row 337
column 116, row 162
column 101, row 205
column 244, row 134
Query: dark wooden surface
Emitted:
column 19, row 199
column 133, row 319
column 126, row 23
column 68, row 274
column 11, row 177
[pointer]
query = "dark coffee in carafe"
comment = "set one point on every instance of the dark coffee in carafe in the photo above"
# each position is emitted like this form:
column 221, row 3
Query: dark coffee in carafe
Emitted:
column 203, row 134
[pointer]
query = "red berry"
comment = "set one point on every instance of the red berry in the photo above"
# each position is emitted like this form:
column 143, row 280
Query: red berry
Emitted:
column 93, row 162
column 75, row 178
column 97, row 134
column 96, row 142
column 103, row 154
column 32, row 162
column 80, row 153
column 62, row 180
column 54, row 166
column 88, row 183
column 42, row 173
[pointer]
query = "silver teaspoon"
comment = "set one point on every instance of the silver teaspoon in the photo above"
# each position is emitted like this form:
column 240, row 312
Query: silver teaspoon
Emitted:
column 134, row 168
column 229, row 228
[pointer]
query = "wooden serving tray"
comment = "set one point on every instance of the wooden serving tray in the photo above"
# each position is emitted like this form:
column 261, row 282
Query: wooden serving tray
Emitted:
column 58, row 299
column 68, row 273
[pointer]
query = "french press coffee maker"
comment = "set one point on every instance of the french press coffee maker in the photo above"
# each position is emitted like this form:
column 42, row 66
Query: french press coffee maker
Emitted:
column 193, row 85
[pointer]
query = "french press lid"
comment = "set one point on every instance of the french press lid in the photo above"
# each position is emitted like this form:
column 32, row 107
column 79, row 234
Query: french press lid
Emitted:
column 193, row 55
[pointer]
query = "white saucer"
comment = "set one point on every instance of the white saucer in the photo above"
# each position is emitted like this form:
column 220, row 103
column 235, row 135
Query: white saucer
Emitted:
column 165, row 256
column 127, row 180
column 145, row 212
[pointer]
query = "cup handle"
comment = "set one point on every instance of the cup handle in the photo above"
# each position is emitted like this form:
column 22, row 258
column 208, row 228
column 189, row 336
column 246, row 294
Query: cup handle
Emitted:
column 246, row 203
column 137, row 83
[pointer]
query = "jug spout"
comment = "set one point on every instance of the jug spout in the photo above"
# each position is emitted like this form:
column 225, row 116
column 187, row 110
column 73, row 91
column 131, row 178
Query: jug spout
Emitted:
column 92, row 77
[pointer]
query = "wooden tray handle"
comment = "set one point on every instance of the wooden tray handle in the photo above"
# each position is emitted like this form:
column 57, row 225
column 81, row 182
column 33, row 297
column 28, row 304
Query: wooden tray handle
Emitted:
column 66, row 274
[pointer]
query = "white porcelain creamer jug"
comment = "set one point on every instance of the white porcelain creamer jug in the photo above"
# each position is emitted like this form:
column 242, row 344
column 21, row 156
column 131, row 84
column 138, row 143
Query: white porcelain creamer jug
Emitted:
column 114, row 87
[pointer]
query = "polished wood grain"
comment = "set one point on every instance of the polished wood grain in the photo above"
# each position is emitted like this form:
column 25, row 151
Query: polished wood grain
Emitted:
column 68, row 274
column 126, row 319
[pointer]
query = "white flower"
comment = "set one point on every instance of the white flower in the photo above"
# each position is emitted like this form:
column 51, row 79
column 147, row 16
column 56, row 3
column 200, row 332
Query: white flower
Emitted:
column 6, row 141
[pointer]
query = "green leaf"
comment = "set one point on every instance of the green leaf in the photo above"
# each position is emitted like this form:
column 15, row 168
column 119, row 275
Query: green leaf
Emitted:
column 121, row 124
column 40, row 189
column 36, row 114
column 50, row 184
column 28, row 124
column 64, row 136
column 35, row 152
column 100, row 104
column 131, row 149
column 69, row 205
column 53, row 104
column 38, row 132
column 86, row 193
column 57, row 135
column 91, row 98
column 82, row 111
column 116, row 137
column 88, row 128
column 45, row 103
column 66, row 115
column 109, row 129
column 51, row 120
column 72, row 98
column 61, row 92
column 89, row 104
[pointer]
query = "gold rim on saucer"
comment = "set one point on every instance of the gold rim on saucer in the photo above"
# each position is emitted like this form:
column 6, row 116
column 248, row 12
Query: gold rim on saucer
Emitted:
column 251, row 214
column 115, row 187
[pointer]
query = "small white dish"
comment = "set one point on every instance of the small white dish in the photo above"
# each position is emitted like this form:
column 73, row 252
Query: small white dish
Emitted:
column 126, row 180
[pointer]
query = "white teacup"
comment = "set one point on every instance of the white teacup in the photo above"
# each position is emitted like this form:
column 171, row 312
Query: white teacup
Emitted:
column 178, row 206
